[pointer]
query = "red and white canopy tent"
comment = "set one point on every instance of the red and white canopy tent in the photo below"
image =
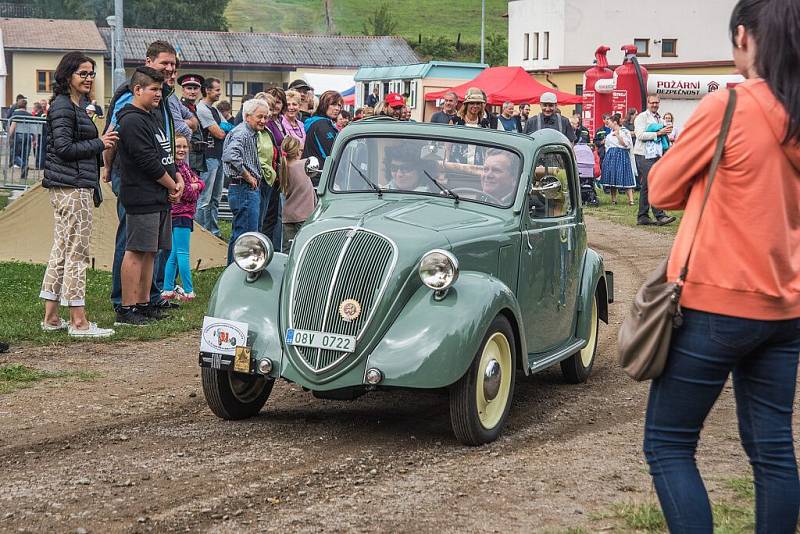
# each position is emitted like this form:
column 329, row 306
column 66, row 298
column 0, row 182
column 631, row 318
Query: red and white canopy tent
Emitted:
column 507, row 84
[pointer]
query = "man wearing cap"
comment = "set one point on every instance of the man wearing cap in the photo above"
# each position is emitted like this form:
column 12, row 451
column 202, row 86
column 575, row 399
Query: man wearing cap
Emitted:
column 548, row 118
column 394, row 106
column 185, row 121
column 190, row 85
column 306, row 97
column 92, row 112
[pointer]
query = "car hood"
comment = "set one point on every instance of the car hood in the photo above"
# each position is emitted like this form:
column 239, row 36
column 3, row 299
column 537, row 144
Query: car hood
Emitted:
column 412, row 223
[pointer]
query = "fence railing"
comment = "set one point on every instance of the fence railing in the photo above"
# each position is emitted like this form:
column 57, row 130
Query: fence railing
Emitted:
column 23, row 146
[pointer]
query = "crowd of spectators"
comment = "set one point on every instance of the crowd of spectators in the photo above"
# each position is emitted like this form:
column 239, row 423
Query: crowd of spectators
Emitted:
column 170, row 159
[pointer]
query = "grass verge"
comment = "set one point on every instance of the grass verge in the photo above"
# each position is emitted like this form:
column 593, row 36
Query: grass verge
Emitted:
column 732, row 510
column 623, row 214
column 21, row 310
column 15, row 376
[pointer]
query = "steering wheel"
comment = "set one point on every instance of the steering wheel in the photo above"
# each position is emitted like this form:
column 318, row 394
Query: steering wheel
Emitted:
column 482, row 195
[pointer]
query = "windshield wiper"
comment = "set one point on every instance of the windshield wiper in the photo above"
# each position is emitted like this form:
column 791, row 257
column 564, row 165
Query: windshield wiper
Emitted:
column 369, row 182
column 442, row 189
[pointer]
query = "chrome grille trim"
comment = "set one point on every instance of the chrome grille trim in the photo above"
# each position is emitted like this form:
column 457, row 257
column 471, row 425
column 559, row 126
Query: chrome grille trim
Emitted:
column 370, row 246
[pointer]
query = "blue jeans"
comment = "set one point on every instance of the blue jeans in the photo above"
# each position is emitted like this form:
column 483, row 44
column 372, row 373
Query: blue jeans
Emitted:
column 207, row 213
column 119, row 253
column 179, row 260
column 245, row 203
column 762, row 355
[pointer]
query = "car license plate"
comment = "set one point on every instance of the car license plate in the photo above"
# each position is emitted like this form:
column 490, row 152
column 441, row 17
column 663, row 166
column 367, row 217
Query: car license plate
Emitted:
column 320, row 340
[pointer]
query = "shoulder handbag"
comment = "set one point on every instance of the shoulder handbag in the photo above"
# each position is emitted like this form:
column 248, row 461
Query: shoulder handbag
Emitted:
column 644, row 337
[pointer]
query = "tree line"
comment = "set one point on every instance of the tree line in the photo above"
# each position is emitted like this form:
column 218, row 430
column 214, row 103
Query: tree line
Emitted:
column 195, row 15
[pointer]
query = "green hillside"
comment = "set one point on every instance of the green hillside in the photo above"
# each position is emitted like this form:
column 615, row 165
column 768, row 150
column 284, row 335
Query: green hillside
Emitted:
column 430, row 18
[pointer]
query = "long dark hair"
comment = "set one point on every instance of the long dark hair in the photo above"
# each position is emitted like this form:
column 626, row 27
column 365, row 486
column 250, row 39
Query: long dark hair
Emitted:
column 775, row 26
column 68, row 65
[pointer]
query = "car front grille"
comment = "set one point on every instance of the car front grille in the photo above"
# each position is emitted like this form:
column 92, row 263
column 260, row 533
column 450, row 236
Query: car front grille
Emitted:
column 333, row 267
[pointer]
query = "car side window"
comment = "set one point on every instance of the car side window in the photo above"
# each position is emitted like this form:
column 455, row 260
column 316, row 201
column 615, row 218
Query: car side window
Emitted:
column 550, row 194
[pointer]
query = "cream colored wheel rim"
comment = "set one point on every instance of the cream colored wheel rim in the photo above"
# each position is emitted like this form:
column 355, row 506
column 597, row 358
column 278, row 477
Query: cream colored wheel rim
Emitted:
column 587, row 352
column 490, row 411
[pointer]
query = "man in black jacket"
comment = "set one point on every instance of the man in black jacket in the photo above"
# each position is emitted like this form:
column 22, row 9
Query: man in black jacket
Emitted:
column 548, row 118
column 147, row 187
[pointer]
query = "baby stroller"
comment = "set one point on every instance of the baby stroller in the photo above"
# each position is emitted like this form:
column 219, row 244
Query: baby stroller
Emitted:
column 584, row 155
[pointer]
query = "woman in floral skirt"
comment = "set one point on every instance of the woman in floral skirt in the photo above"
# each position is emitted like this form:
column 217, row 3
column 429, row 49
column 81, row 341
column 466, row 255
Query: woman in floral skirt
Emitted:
column 618, row 167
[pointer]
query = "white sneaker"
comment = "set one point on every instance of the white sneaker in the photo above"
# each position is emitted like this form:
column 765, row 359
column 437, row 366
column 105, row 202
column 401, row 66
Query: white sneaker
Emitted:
column 54, row 327
column 92, row 331
column 168, row 295
column 186, row 297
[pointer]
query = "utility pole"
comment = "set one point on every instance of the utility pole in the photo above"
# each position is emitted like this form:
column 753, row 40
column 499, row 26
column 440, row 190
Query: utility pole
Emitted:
column 483, row 30
column 118, row 46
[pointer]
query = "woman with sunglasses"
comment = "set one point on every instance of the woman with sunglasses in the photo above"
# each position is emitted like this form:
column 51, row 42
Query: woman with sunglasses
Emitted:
column 71, row 174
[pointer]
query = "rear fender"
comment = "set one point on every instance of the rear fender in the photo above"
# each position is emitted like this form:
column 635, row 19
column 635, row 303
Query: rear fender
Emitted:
column 432, row 343
column 255, row 303
column 593, row 279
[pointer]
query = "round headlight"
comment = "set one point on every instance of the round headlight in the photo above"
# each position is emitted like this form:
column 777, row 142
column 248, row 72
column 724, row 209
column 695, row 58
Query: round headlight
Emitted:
column 252, row 252
column 438, row 269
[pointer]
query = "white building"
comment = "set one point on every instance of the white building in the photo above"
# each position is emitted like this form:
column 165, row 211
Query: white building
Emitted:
column 555, row 40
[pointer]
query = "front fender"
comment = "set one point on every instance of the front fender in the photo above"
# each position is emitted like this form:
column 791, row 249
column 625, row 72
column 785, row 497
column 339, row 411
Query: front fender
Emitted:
column 432, row 343
column 255, row 303
column 593, row 279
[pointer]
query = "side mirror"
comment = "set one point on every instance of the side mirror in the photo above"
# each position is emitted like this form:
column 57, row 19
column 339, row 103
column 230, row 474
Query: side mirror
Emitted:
column 312, row 167
column 548, row 187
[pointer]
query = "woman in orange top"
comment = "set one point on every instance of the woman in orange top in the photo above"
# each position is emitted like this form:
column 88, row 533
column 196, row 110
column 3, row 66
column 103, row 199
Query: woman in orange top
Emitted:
column 741, row 300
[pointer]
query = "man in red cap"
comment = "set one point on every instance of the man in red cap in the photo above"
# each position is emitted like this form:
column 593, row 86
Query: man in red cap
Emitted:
column 394, row 105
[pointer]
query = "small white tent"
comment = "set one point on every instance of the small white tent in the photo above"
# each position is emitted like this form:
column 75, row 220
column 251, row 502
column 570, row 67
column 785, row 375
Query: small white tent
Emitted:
column 26, row 233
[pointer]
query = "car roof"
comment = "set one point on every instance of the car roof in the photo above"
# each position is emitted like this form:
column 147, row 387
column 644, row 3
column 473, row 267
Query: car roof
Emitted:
column 520, row 142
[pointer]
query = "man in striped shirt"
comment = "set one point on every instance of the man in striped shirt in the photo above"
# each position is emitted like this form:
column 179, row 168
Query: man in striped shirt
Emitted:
column 243, row 170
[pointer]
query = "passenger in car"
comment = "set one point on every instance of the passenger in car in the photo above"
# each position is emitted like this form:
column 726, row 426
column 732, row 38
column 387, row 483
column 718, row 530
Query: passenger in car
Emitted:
column 405, row 169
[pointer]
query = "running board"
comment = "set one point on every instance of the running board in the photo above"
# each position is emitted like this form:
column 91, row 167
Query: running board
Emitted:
column 543, row 362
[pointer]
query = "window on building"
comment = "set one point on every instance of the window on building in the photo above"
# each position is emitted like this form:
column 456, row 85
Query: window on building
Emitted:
column 642, row 47
column 546, row 45
column 234, row 89
column 579, row 92
column 669, row 48
column 255, row 87
column 535, row 46
column 44, row 81
column 526, row 46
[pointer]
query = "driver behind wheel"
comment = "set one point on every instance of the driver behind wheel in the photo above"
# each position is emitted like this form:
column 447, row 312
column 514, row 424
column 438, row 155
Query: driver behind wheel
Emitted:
column 498, row 178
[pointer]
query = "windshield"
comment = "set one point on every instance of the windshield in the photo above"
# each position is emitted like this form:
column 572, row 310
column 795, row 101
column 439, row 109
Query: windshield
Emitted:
column 463, row 171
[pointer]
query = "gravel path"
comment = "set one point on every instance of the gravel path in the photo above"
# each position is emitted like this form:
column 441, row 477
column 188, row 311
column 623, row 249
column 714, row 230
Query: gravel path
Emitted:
column 137, row 450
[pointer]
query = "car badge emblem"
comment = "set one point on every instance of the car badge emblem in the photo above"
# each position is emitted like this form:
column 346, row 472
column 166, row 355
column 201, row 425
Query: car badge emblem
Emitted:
column 349, row 310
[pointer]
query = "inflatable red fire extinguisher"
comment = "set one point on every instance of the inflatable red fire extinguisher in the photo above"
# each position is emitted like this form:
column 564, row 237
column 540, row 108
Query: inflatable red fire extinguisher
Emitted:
column 630, row 84
column 597, row 86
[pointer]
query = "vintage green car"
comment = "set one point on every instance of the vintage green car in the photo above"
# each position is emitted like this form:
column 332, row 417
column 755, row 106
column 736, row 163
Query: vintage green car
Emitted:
column 436, row 257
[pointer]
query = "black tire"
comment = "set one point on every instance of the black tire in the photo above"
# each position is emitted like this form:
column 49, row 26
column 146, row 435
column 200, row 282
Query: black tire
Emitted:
column 469, row 420
column 577, row 368
column 234, row 396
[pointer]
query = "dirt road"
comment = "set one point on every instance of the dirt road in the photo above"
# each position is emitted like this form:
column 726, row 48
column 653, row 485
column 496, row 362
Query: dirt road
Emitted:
column 137, row 450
